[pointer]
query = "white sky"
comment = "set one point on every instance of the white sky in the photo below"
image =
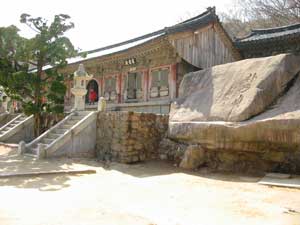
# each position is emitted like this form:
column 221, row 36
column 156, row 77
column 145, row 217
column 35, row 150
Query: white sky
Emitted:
column 99, row 23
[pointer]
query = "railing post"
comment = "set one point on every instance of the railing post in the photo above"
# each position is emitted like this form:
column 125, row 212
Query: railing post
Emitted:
column 101, row 104
column 41, row 151
column 21, row 148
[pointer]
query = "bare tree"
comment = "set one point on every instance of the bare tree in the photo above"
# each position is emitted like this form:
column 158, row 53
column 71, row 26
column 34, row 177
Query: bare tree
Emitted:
column 252, row 14
column 272, row 12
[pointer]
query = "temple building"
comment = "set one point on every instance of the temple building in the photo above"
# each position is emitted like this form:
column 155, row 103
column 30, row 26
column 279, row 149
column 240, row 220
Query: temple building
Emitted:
column 143, row 74
column 268, row 42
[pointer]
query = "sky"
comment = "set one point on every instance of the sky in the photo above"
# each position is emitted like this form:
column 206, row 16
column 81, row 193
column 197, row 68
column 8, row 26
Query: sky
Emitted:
column 99, row 23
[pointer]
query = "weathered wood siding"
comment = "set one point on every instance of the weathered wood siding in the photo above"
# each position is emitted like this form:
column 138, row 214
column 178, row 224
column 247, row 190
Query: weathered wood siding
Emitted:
column 204, row 47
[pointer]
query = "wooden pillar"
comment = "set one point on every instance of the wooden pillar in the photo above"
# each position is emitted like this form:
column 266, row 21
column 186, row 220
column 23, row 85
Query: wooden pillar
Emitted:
column 102, row 85
column 98, row 79
column 120, row 88
column 145, row 84
column 172, row 81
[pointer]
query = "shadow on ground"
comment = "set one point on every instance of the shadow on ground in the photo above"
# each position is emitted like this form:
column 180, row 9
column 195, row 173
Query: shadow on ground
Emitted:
column 10, row 162
column 161, row 168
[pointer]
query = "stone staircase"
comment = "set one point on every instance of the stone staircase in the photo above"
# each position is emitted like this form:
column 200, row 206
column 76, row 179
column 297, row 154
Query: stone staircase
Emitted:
column 15, row 129
column 59, row 140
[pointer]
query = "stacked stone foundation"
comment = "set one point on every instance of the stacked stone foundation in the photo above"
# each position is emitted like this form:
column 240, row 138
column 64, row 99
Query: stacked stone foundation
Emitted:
column 129, row 137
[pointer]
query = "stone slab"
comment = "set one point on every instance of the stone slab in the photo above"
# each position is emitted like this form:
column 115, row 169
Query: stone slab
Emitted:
column 249, row 179
column 279, row 175
column 51, row 172
column 293, row 182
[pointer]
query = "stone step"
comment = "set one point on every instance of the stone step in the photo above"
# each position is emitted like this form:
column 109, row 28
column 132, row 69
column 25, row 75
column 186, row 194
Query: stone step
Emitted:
column 30, row 155
column 71, row 122
column 31, row 150
column 76, row 117
column 20, row 119
column 34, row 149
column 47, row 140
column 53, row 136
column 66, row 126
column 82, row 113
column 59, row 131
column 12, row 125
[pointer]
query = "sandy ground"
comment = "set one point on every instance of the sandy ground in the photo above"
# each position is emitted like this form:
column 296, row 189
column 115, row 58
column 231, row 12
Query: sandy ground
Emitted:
column 147, row 194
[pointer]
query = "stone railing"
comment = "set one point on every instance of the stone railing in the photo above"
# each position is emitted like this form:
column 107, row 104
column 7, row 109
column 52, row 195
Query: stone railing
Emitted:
column 19, row 128
column 38, row 139
column 73, row 131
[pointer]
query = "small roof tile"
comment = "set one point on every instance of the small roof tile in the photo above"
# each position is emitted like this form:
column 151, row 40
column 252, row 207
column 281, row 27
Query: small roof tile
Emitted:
column 264, row 35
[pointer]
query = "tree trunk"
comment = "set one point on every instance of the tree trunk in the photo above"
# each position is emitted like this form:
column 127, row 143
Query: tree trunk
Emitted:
column 38, row 98
column 37, row 124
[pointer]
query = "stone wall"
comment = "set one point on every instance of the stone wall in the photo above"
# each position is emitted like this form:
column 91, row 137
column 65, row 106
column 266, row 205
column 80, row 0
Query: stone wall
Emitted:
column 129, row 136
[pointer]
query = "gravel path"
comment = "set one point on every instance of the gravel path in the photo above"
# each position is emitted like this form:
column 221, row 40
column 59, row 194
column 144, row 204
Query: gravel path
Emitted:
column 141, row 194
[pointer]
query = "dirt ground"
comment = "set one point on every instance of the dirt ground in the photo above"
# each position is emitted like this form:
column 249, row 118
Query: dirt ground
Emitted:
column 149, row 193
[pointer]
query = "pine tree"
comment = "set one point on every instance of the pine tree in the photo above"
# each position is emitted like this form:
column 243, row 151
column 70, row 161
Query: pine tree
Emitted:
column 29, row 68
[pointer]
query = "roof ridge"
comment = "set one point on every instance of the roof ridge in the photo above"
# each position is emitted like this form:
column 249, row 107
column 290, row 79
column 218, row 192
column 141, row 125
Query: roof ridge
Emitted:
column 126, row 42
column 276, row 29
column 208, row 10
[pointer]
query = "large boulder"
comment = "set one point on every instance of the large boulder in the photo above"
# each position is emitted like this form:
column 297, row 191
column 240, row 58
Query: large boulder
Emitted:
column 194, row 157
column 234, row 91
column 263, row 125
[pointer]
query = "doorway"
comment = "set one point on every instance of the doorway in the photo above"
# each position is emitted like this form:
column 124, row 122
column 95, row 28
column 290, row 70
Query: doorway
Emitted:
column 92, row 84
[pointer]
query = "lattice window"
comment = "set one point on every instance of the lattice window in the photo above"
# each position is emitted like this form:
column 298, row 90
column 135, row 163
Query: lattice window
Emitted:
column 134, row 86
column 159, row 83
column 110, row 93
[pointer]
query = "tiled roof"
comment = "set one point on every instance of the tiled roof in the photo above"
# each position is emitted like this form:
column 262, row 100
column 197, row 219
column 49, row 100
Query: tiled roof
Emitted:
column 115, row 49
column 195, row 22
column 202, row 19
column 271, row 34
